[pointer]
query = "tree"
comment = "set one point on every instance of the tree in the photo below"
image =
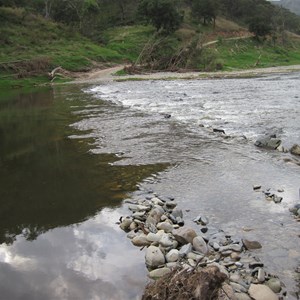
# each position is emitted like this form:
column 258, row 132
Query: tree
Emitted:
column 162, row 14
column 260, row 27
column 206, row 10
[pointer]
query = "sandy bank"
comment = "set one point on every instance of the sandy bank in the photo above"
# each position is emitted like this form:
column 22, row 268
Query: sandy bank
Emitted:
column 108, row 74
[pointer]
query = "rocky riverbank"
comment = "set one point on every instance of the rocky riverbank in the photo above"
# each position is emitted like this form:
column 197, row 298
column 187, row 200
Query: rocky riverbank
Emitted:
column 172, row 248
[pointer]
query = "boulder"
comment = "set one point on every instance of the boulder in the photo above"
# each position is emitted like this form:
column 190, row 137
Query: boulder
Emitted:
column 154, row 257
column 184, row 235
column 261, row 292
column 295, row 150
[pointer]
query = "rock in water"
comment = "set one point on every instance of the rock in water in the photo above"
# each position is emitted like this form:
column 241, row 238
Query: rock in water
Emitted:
column 274, row 284
column 268, row 142
column 251, row 245
column 295, row 150
column 154, row 257
column 261, row 292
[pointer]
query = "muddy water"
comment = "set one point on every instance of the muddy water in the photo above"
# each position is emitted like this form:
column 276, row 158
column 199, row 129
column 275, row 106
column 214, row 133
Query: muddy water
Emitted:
column 69, row 156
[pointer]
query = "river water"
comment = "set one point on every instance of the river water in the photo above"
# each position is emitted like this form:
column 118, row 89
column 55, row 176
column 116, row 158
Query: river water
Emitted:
column 70, row 155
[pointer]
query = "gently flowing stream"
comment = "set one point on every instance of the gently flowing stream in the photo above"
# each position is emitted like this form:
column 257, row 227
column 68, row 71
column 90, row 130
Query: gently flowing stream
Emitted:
column 71, row 155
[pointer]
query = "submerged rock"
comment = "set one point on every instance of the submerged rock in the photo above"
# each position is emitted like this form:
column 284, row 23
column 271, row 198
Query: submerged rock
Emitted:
column 295, row 150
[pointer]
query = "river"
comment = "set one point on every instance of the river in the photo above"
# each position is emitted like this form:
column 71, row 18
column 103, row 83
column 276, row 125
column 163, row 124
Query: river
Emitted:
column 71, row 154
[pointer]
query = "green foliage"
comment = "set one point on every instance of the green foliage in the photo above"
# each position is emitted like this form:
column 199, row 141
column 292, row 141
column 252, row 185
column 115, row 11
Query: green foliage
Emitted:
column 260, row 27
column 205, row 9
column 162, row 14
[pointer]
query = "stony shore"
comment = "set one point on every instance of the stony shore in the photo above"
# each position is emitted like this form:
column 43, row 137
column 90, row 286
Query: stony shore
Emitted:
column 155, row 223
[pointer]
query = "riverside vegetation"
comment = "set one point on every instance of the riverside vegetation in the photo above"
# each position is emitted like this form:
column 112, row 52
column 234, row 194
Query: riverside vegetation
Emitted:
column 205, row 35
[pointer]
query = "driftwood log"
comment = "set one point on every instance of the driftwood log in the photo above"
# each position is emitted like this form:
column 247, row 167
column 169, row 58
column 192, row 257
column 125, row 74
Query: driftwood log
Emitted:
column 205, row 284
column 58, row 72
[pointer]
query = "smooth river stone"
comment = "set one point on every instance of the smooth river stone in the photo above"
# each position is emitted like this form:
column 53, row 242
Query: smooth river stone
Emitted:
column 154, row 257
column 172, row 255
column 251, row 245
column 184, row 235
column 159, row 273
column 261, row 292
column 165, row 226
column 140, row 241
column 200, row 245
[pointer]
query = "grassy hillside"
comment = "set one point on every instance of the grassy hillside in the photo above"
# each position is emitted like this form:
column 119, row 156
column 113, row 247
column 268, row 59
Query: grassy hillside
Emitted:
column 31, row 45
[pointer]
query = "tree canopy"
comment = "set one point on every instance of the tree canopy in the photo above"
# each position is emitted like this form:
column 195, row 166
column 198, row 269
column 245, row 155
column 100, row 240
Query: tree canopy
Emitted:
column 162, row 14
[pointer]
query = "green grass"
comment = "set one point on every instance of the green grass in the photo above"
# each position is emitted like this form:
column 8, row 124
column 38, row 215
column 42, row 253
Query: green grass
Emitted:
column 31, row 46
column 128, row 40
column 244, row 54
column 27, row 37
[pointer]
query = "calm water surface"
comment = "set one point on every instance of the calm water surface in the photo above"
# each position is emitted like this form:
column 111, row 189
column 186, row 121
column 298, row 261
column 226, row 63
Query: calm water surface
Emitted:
column 69, row 156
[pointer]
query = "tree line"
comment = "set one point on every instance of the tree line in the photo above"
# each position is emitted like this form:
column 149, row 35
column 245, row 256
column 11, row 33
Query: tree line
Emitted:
column 92, row 16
